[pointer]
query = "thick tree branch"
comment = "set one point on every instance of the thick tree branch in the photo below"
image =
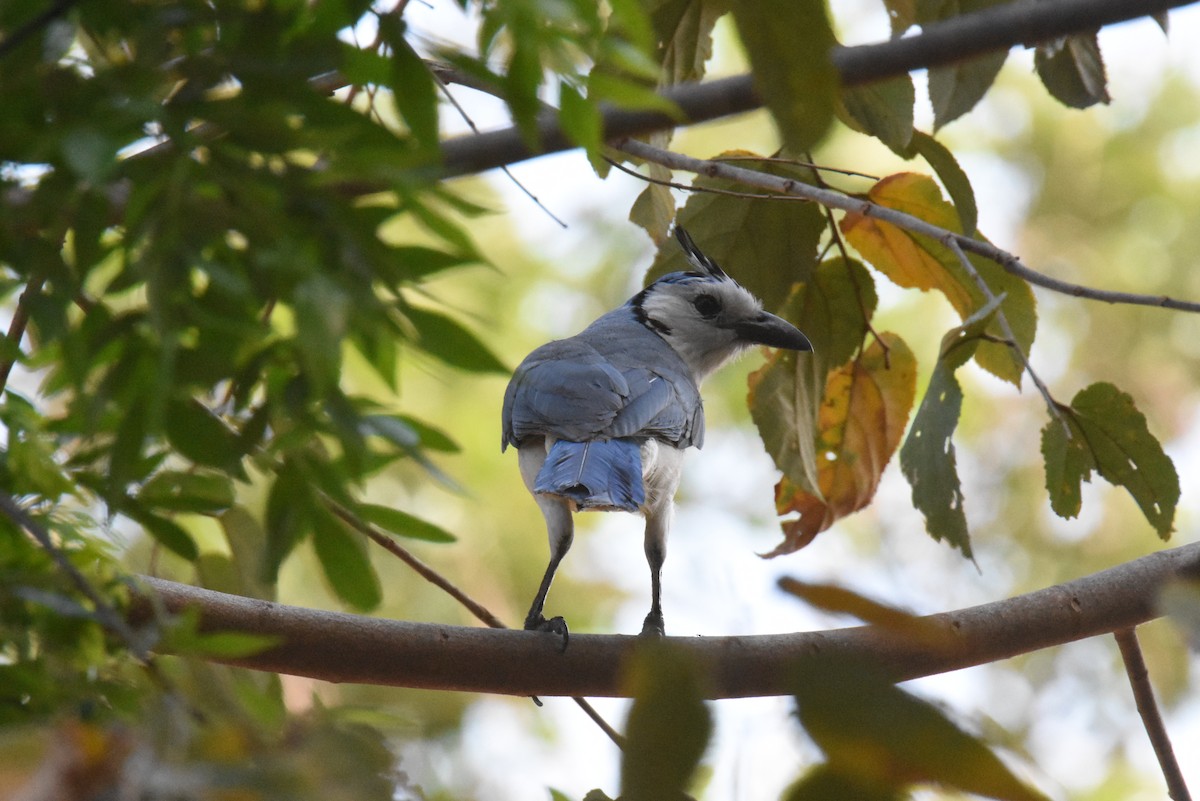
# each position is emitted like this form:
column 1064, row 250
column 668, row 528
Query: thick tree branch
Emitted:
column 340, row 647
column 956, row 39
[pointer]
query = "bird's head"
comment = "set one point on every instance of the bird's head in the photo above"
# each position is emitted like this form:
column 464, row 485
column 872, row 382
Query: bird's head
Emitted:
column 707, row 317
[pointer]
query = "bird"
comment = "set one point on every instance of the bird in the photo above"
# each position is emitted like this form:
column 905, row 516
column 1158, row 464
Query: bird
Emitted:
column 601, row 420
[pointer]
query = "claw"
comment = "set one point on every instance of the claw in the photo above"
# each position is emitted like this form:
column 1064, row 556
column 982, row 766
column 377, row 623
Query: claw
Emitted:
column 555, row 625
column 654, row 627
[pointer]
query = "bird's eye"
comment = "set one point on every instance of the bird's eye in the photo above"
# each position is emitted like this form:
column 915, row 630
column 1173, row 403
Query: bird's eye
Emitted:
column 707, row 305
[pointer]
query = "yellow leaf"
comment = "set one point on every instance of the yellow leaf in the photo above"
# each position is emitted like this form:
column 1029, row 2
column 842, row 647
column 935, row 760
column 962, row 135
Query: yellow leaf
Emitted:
column 863, row 412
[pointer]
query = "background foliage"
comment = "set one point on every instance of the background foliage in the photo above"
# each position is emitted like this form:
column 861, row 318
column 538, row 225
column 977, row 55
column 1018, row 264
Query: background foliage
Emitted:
column 244, row 310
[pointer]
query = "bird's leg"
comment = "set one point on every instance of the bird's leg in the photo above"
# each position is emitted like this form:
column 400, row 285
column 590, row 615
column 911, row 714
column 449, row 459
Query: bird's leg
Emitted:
column 656, row 554
column 561, row 529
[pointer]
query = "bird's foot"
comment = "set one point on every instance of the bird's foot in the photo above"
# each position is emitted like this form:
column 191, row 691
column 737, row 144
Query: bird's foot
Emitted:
column 555, row 625
column 654, row 627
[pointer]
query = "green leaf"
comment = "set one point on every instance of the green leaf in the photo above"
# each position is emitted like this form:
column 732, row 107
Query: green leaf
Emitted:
column 344, row 559
column 668, row 726
column 955, row 89
column 767, row 246
column 1072, row 70
column 415, row 94
column 403, row 524
column 322, row 319
column 288, row 517
column 927, row 457
column 884, row 110
column 1109, row 436
column 788, row 43
column 683, row 30
column 168, row 533
column 196, row 492
column 878, row 736
column 198, row 434
column 957, row 184
column 823, row 783
column 654, row 207
column 580, row 119
column 446, row 339
column 246, row 539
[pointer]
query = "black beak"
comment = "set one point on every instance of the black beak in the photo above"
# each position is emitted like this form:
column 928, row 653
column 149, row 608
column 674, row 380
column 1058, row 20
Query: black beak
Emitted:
column 774, row 332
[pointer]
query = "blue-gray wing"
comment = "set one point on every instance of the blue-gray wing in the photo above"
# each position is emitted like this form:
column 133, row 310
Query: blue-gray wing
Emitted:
column 568, row 390
column 564, row 389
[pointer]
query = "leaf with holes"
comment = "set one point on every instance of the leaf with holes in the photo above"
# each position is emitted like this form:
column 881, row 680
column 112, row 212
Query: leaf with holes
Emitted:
column 927, row 458
column 915, row 261
column 1109, row 436
column 863, row 412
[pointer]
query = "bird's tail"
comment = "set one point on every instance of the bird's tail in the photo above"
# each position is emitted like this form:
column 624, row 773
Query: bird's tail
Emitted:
column 595, row 475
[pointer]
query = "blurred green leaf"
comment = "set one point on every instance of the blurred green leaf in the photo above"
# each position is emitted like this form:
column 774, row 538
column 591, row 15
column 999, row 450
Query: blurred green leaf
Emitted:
column 927, row 458
column 178, row 491
column 203, row 437
column 167, row 532
column 883, row 738
column 1109, row 435
column 446, row 339
column 824, row 782
column 402, row 523
column 415, row 92
column 344, row 559
column 788, row 44
column 288, row 517
column 668, row 728
column 683, row 32
column 322, row 319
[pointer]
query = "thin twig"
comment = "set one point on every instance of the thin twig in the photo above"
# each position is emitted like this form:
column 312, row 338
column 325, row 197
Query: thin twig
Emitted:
column 16, row 329
column 811, row 165
column 1006, row 329
column 441, row 582
column 1143, row 696
column 462, row 112
column 712, row 190
column 106, row 614
column 838, row 200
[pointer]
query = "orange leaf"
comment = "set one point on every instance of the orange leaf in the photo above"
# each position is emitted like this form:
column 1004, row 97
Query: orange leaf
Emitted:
column 863, row 412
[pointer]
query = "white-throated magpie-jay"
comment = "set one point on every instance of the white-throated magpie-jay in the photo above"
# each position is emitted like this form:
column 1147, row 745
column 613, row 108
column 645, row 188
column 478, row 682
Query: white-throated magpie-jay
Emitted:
column 601, row 420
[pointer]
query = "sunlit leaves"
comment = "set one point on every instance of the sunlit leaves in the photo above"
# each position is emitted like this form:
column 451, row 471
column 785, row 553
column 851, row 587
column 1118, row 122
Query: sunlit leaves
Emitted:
column 788, row 44
column 1109, row 436
column 880, row 740
column 402, row 523
column 928, row 458
column 918, row 262
column 1072, row 70
column 862, row 414
column 668, row 726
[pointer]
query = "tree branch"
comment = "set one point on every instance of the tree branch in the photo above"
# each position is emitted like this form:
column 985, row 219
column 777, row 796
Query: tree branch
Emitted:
column 838, row 200
column 1143, row 697
column 340, row 647
column 956, row 39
